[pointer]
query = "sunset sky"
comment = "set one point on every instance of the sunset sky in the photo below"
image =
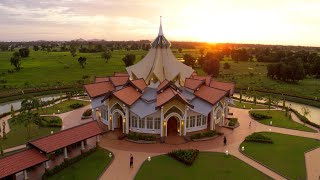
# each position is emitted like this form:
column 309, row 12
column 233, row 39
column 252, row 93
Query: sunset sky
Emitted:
column 294, row 22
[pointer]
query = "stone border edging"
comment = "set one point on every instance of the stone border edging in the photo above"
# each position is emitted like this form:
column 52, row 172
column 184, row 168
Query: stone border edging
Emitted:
column 141, row 141
column 105, row 169
column 261, row 164
column 205, row 138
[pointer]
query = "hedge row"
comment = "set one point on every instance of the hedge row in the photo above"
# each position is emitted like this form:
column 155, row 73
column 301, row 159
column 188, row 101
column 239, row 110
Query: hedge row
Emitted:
column 187, row 156
column 305, row 119
column 137, row 137
column 258, row 116
column 67, row 163
column 205, row 134
column 257, row 137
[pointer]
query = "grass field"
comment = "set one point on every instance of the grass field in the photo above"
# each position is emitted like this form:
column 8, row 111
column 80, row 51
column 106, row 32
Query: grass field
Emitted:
column 88, row 168
column 280, row 120
column 244, row 105
column 18, row 134
column 208, row 165
column 285, row 156
column 63, row 107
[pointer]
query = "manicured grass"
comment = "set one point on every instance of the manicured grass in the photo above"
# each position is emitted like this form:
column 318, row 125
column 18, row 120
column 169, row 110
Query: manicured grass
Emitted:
column 285, row 156
column 62, row 107
column 18, row 134
column 208, row 165
column 280, row 120
column 244, row 105
column 88, row 168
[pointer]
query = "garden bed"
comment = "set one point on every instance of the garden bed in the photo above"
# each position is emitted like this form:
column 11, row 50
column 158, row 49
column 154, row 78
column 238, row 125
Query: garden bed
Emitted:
column 204, row 136
column 232, row 123
column 87, row 114
column 187, row 156
column 141, row 138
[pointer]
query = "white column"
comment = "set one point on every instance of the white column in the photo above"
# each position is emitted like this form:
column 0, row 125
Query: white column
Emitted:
column 212, row 120
column 127, row 120
column 161, row 122
column 108, row 112
column 47, row 164
column 185, row 120
column 65, row 152
column 98, row 138
column 82, row 145
column 94, row 114
column 25, row 174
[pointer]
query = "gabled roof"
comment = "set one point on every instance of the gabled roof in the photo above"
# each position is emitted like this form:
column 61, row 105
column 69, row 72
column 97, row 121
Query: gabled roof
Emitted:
column 167, row 84
column 169, row 94
column 120, row 74
column 201, row 106
column 223, row 86
column 162, row 85
column 139, row 83
column 207, row 79
column 98, row 89
column 209, row 94
column 149, row 94
column 143, row 109
column 127, row 95
column 119, row 80
column 193, row 84
column 20, row 161
column 101, row 79
column 67, row 137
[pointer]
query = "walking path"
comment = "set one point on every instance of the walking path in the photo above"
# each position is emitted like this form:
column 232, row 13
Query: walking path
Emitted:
column 119, row 169
column 313, row 164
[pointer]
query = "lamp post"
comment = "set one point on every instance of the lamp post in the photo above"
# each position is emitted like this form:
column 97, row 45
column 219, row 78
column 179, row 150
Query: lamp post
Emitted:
column 242, row 148
column 110, row 155
column 149, row 158
column 227, row 152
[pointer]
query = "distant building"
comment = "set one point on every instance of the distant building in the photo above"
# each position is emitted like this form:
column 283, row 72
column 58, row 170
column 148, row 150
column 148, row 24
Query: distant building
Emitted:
column 159, row 95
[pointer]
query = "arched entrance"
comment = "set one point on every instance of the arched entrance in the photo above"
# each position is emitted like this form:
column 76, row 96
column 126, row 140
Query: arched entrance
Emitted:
column 117, row 120
column 173, row 126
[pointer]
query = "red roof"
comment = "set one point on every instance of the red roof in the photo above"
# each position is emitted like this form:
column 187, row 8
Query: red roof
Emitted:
column 139, row 83
column 120, row 74
column 162, row 85
column 209, row 94
column 67, row 137
column 101, row 79
column 167, row 95
column 193, row 84
column 119, row 80
column 20, row 161
column 127, row 95
column 207, row 79
column 98, row 89
column 223, row 85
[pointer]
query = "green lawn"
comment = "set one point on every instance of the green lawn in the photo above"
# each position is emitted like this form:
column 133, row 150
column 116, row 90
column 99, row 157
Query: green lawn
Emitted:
column 249, row 105
column 285, row 156
column 18, row 134
column 88, row 168
column 64, row 106
column 208, row 165
column 280, row 120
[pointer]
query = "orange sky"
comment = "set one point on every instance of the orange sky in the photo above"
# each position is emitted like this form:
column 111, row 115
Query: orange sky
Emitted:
column 295, row 22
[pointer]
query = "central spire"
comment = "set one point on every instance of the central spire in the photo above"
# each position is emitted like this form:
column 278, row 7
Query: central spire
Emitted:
column 160, row 28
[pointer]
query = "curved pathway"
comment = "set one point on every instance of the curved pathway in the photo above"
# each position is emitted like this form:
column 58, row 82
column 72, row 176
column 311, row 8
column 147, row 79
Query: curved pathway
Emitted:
column 119, row 168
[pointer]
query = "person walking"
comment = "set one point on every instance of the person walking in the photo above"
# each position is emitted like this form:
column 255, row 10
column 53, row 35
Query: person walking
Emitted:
column 250, row 124
column 131, row 161
column 225, row 140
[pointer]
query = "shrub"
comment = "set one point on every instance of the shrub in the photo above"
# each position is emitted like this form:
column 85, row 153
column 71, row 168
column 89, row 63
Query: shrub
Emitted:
column 88, row 112
column 76, row 105
column 67, row 163
column 257, row 137
column 53, row 121
column 66, row 66
column 204, row 134
column 137, row 137
column 185, row 156
column 304, row 119
column 226, row 66
column 3, row 81
column 85, row 77
column 258, row 116
column 233, row 121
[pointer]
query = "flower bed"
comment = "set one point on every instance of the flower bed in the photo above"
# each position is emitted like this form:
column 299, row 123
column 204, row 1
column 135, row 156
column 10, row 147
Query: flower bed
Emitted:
column 140, row 138
column 86, row 114
column 257, row 137
column 205, row 135
column 233, row 121
column 258, row 116
column 185, row 156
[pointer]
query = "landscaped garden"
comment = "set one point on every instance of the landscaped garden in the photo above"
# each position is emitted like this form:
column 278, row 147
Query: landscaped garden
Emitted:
column 90, row 167
column 22, row 130
column 245, row 105
column 208, row 165
column 278, row 119
column 285, row 153
column 64, row 106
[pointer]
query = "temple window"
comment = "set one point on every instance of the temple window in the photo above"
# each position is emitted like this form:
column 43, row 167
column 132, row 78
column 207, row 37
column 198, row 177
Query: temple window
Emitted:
column 134, row 121
column 199, row 118
column 149, row 122
column 156, row 123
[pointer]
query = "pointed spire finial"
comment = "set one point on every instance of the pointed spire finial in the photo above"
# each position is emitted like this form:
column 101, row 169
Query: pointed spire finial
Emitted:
column 160, row 29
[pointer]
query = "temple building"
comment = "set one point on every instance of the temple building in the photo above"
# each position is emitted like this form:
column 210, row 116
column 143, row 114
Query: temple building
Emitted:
column 159, row 95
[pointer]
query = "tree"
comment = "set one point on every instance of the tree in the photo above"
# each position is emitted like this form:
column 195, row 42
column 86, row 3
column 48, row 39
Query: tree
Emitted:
column 24, row 52
column 16, row 61
column 82, row 61
column 106, row 55
column 4, row 134
column 211, row 65
column 28, row 119
column 189, row 60
column 305, row 111
column 12, row 111
column 30, row 103
column 73, row 52
column 129, row 59
column 36, row 48
column 180, row 50
column 240, row 96
column 226, row 66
